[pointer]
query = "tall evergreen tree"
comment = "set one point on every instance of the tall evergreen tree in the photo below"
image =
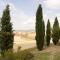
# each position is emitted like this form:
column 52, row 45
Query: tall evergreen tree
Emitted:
column 55, row 32
column 39, row 28
column 43, row 28
column 6, row 31
column 48, row 33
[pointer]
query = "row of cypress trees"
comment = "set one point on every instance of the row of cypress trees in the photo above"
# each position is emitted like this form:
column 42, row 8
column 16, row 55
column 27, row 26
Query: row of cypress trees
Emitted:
column 50, row 32
column 6, row 34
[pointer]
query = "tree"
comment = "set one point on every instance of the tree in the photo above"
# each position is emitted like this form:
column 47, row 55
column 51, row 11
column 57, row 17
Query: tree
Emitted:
column 55, row 32
column 6, row 31
column 48, row 33
column 40, row 32
column 43, row 29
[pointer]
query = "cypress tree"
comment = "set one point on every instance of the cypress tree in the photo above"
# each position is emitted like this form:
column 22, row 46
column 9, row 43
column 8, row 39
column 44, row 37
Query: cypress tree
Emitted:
column 48, row 33
column 43, row 28
column 6, row 31
column 55, row 31
column 39, row 28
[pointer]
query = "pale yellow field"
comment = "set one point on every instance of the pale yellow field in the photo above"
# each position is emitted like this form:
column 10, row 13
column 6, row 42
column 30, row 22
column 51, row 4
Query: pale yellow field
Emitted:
column 24, row 39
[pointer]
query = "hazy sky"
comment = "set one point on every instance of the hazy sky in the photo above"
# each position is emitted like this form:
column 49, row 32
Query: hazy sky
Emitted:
column 23, row 12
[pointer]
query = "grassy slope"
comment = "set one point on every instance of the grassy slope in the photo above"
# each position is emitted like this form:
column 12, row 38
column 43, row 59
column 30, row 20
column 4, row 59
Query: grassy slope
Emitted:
column 50, row 53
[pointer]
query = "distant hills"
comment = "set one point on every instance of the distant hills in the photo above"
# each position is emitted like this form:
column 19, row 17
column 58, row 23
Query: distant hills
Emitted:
column 31, row 30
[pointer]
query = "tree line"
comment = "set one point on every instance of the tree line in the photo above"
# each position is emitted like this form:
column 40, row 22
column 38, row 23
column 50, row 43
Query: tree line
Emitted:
column 53, row 33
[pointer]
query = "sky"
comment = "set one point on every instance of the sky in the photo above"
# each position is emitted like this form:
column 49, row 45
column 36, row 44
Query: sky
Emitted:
column 23, row 12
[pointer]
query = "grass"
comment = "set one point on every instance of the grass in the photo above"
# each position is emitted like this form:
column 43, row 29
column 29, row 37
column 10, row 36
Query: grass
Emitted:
column 33, row 54
column 19, row 55
column 44, row 55
column 57, row 56
column 41, row 56
column 26, row 55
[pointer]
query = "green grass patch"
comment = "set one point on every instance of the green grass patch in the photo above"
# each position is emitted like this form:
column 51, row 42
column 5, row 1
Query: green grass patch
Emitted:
column 41, row 56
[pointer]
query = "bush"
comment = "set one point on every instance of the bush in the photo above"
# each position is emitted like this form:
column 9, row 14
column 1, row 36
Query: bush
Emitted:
column 24, row 55
column 20, row 55
column 9, row 55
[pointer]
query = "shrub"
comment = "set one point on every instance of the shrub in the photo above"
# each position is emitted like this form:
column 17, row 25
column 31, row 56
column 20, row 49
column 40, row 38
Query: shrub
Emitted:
column 24, row 55
column 9, row 55
column 20, row 55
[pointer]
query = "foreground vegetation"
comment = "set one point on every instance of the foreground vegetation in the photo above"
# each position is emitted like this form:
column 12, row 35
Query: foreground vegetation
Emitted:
column 51, row 53
column 57, row 56
column 24, row 55
column 41, row 56
column 20, row 55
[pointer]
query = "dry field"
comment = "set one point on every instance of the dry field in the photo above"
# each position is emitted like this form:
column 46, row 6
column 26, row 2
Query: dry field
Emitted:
column 24, row 39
